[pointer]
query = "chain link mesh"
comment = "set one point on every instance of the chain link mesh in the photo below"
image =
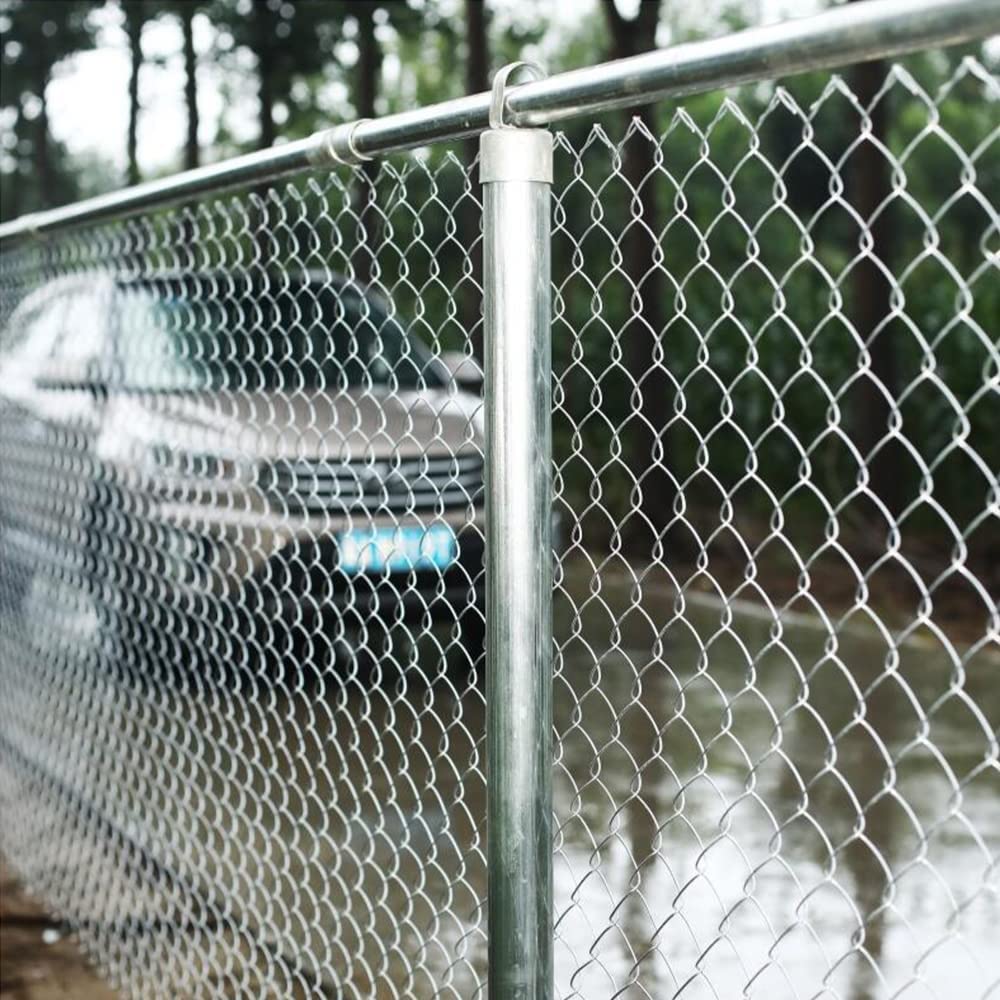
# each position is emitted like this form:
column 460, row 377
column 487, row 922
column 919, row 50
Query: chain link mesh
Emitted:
column 776, row 454
column 241, row 565
column 242, row 589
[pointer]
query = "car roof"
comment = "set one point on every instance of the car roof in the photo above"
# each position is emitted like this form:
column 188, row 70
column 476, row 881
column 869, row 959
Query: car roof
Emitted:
column 220, row 282
column 207, row 284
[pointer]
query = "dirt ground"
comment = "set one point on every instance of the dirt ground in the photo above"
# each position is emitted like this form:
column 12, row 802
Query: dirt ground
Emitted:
column 37, row 962
column 923, row 572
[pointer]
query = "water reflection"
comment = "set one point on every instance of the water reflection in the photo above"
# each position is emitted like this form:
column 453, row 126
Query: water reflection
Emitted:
column 741, row 808
column 779, row 813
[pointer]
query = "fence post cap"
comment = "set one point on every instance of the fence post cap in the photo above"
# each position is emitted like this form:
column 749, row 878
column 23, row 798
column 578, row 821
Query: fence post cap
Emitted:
column 515, row 154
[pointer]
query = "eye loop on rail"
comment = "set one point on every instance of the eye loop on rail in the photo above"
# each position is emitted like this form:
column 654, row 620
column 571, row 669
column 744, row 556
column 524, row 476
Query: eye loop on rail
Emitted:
column 498, row 98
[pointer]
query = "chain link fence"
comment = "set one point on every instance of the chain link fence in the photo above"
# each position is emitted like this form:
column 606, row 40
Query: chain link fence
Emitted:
column 776, row 609
column 243, row 491
column 242, row 720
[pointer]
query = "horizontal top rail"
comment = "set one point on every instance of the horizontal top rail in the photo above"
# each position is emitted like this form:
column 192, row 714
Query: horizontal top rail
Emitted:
column 848, row 34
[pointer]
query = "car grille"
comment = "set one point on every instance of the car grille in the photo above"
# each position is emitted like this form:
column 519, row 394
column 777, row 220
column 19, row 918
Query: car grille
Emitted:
column 398, row 485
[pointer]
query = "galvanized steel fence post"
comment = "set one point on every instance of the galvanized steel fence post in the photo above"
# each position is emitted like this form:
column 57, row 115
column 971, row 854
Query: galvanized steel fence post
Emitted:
column 516, row 173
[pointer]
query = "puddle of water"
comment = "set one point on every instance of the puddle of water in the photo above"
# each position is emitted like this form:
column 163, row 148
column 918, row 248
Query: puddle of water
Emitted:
column 742, row 809
column 770, row 811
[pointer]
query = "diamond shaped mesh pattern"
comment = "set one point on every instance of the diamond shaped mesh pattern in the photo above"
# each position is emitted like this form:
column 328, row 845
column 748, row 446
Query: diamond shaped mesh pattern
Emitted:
column 776, row 599
column 241, row 565
column 241, row 523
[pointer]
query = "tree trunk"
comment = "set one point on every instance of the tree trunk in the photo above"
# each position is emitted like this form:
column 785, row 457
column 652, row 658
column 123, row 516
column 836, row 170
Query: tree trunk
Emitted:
column 264, row 43
column 264, row 40
column 369, row 60
column 476, row 81
column 870, row 186
column 647, row 450
column 43, row 159
column 643, row 336
column 134, row 17
column 366, row 84
column 476, row 59
column 191, row 151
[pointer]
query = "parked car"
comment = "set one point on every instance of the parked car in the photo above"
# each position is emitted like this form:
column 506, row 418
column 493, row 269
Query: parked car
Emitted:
column 279, row 455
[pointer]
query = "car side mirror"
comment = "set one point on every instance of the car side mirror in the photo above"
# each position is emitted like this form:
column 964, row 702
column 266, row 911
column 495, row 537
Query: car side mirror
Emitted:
column 463, row 370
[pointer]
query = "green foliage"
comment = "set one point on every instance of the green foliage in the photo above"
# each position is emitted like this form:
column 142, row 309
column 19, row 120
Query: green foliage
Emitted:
column 37, row 34
column 756, row 238
column 305, row 45
column 757, row 244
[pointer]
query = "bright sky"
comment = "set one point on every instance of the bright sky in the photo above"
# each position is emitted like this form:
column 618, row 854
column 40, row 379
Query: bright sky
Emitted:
column 88, row 99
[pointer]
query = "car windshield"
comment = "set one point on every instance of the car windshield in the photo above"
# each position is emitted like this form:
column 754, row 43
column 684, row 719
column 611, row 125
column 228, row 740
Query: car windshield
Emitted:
column 313, row 338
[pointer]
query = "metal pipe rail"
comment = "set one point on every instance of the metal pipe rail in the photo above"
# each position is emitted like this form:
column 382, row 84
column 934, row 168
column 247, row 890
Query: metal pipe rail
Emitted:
column 877, row 29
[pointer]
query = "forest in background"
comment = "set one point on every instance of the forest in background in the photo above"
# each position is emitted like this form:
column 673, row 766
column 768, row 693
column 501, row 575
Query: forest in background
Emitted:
column 770, row 316
column 301, row 64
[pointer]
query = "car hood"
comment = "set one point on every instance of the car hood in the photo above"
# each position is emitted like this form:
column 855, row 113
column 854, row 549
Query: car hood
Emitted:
column 341, row 426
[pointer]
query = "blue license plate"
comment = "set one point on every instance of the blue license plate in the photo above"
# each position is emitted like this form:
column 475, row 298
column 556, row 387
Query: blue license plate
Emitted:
column 397, row 549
